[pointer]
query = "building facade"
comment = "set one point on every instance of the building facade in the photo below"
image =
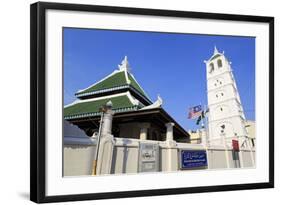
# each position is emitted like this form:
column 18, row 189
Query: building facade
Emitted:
column 136, row 116
column 226, row 121
column 113, row 127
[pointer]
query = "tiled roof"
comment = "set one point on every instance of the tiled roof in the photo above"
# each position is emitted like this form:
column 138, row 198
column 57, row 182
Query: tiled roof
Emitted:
column 135, row 85
column 116, row 80
column 86, row 108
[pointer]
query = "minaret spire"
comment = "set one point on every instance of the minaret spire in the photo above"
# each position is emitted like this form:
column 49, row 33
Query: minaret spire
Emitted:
column 215, row 50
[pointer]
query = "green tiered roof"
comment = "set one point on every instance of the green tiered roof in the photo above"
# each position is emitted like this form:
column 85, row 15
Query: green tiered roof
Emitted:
column 115, row 80
column 86, row 108
column 93, row 98
column 135, row 85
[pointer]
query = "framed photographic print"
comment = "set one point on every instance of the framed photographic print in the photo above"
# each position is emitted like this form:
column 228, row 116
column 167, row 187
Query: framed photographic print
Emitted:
column 129, row 102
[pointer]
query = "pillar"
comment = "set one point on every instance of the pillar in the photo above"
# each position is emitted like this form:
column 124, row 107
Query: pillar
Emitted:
column 171, row 147
column 107, row 142
column 169, row 132
column 107, row 120
column 143, row 130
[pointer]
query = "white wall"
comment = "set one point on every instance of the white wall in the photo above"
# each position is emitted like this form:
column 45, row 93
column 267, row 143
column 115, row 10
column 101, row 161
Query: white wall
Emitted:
column 79, row 158
column 14, row 53
column 124, row 157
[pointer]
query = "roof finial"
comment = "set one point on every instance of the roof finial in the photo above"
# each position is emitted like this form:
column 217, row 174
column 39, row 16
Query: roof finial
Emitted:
column 216, row 50
column 125, row 64
column 157, row 104
column 109, row 104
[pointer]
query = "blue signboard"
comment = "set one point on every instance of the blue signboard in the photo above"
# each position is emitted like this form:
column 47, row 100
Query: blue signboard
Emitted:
column 193, row 158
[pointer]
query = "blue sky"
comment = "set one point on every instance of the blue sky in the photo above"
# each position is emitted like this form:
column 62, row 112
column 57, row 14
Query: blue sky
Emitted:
column 171, row 65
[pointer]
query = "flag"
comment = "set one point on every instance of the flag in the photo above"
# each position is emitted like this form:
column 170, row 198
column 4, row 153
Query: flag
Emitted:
column 198, row 120
column 195, row 112
column 204, row 113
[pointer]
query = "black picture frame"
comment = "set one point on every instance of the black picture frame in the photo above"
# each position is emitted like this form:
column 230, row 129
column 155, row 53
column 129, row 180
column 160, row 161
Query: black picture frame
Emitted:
column 38, row 101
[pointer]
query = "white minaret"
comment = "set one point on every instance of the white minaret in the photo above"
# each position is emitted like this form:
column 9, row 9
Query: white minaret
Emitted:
column 226, row 117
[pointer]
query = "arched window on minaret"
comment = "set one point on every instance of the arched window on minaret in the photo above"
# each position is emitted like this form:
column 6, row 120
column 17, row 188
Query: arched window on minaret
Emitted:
column 212, row 67
column 219, row 63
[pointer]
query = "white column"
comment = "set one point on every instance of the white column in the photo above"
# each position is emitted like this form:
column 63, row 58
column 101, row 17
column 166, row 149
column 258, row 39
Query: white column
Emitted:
column 105, row 152
column 171, row 145
column 107, row 122
column 143, row 130
column 169, row 133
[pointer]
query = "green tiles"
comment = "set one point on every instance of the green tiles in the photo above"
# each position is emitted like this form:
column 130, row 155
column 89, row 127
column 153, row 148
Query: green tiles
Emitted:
column 135, row 85
column 83, row 108
column 120, row 81
column 115, row 80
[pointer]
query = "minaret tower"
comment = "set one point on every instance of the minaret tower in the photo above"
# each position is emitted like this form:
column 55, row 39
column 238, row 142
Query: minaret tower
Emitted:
column 226, row 116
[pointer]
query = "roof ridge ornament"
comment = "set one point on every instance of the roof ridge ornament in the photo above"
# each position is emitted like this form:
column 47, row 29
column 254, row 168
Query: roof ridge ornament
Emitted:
column 159, row 100
column 125, row 66
column 157, row 104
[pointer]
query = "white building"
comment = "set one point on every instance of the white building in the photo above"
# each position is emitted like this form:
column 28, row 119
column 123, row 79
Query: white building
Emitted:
column 251, row 132
column 226, row 116
column 137, row 135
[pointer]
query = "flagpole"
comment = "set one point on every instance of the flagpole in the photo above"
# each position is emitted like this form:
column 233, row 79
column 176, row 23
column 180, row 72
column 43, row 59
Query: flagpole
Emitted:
column 207, row 126
column 193, row 112
column 207, row 144
column 204, row 122
column 202, row 112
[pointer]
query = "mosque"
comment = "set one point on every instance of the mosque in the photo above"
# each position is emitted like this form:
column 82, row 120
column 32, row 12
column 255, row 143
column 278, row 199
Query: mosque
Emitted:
column 114, row 127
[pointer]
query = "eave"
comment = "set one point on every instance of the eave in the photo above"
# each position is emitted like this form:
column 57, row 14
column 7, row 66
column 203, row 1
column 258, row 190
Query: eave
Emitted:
column 94, row 114
column 155, row 114
column 109, row 91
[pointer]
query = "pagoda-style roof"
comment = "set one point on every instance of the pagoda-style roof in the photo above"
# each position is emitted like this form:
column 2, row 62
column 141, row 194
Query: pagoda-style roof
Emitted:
column 120, row 87
column 118, row 81
column 122, row 102
column 129, row 102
